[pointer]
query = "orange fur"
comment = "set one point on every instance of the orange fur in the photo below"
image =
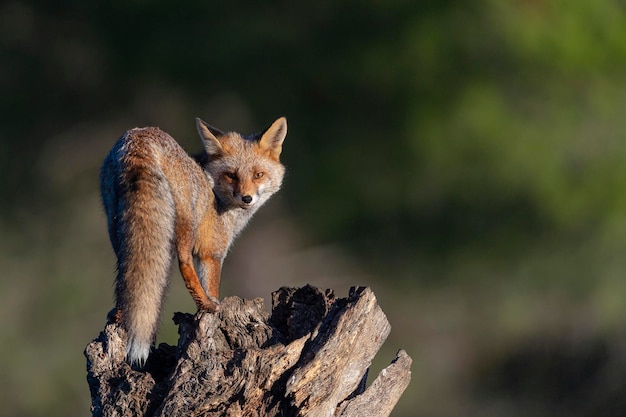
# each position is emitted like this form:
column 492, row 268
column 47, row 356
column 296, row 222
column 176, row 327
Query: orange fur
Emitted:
column 160, row 202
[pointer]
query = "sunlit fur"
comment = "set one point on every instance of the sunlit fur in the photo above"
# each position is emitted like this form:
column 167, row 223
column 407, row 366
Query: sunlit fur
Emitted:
column 160, row 202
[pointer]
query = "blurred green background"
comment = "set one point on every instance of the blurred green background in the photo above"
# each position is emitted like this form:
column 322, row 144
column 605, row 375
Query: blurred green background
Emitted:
column 465, row 159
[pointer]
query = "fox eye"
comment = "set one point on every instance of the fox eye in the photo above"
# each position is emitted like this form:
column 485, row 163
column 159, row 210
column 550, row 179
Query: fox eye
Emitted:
column 258, row 175
column 230, row 175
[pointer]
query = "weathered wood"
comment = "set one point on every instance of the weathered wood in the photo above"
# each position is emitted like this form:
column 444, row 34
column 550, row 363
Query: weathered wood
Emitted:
column 380, row 398
column 310, row 357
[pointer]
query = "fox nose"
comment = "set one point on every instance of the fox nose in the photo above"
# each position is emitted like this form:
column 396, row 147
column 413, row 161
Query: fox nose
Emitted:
column 246, row 199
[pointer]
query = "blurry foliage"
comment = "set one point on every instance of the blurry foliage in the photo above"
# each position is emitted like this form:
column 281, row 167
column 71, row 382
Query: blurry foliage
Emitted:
column 411, row 121
column 478, row 144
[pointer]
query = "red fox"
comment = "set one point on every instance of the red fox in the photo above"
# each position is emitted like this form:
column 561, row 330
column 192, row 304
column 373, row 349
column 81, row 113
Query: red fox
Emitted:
column 161, row 202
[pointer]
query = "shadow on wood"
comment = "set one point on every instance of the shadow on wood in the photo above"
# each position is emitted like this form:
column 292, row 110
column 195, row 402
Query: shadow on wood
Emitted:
column 310, row 357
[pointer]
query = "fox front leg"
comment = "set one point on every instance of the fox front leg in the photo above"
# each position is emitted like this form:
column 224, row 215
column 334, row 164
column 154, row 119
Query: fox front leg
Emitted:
column 203, row 301
column 210, row 271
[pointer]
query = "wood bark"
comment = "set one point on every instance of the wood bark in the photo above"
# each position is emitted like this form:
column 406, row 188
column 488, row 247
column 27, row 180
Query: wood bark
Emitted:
column 309, row 357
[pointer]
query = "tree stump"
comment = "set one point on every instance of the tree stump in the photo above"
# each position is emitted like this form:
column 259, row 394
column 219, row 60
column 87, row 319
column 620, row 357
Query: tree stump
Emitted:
column 309, row 357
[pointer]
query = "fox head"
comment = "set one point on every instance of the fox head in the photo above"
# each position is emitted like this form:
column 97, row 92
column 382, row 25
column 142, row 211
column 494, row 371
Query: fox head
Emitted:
column 246, row 170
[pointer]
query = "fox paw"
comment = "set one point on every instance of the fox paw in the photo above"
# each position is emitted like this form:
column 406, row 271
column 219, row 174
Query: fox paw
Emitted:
column 114, row 316
column 210, row 305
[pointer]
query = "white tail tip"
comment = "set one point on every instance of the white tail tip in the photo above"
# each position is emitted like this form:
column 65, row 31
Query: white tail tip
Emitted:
column 137, row 352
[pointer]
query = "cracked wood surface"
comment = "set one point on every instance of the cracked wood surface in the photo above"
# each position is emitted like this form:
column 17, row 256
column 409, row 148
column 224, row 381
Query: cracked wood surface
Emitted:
column 309, row 357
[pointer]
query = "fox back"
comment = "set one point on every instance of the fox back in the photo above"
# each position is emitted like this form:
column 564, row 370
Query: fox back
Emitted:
column 161, row 202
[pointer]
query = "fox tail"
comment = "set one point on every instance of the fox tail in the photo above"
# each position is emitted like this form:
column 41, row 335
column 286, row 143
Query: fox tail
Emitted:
column 141, row 228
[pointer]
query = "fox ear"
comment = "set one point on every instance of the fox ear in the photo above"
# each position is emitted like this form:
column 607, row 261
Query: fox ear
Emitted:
column 209, row 134
column 272, row 138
